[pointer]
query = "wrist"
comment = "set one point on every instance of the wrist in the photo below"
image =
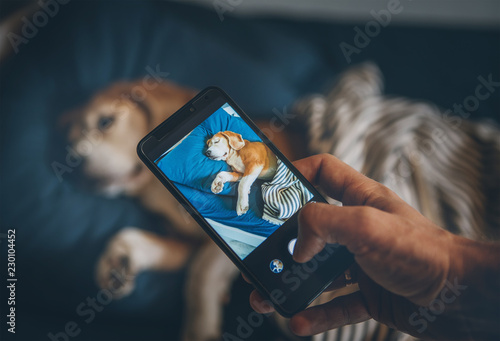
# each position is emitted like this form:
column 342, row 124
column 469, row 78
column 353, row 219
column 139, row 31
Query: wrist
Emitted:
column 473, row 284
column 475, row 264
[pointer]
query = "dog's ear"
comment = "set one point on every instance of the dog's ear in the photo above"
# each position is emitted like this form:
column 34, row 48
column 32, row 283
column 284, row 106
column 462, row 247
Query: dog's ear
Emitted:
column 235, row 140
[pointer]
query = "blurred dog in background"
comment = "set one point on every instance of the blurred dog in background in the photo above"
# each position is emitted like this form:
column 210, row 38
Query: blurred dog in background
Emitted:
column 448, row 171
column 113, row 168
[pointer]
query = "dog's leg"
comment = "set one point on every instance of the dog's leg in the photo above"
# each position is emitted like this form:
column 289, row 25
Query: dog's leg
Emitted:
column 222, row 178
column 209, row 280
column 249, row 177
column 132, row 251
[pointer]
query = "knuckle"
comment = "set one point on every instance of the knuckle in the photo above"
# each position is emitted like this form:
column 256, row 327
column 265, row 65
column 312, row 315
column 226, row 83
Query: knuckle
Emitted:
column 326, row 156
column 385, row 192
column 365, row 216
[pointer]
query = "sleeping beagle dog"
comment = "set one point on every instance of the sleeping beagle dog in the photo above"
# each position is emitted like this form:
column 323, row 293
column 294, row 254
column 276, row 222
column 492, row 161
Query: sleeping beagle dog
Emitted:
column 248, row 160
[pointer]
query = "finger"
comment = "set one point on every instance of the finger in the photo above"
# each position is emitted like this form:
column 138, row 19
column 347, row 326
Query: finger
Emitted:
column 259, row 304
column 345, row 184
column 321, row 223
column 246, row 278
column 339, row 312
column 331, row 174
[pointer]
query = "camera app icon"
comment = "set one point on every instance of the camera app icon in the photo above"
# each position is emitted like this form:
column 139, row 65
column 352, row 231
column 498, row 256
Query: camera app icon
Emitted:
column 276, row 266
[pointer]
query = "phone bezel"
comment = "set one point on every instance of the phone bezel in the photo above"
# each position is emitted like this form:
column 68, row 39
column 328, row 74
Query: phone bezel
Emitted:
column 185, row 114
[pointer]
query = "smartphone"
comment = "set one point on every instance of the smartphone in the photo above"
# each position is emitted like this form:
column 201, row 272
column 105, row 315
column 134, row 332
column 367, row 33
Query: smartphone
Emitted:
column 245, row 194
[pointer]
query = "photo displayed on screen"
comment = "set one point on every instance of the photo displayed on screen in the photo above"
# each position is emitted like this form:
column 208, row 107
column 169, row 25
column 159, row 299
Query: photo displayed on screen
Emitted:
column 234, row 180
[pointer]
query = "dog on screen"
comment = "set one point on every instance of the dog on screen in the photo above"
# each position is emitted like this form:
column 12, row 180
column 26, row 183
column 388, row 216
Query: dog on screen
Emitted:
column 249, row 161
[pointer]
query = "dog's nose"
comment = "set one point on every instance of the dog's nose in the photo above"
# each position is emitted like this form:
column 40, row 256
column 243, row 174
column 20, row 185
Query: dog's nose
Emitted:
column 208, row 152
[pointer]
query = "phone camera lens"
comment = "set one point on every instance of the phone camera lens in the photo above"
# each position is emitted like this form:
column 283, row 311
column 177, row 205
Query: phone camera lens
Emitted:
column 191, row 109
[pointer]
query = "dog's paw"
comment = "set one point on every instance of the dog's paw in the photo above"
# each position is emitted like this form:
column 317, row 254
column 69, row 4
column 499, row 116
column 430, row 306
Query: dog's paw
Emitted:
column 217, row 185
column 241, row 207
column 117, row 266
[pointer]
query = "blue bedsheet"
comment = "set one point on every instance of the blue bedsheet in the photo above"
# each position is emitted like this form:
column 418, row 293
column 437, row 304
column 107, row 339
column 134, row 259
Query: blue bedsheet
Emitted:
column 193, row 172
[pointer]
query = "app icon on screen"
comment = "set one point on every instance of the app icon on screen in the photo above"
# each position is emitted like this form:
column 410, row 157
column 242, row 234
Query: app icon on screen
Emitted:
column 276, row 266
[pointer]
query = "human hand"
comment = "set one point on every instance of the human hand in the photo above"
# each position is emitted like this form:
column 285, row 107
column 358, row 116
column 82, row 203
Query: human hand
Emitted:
column 404, row 260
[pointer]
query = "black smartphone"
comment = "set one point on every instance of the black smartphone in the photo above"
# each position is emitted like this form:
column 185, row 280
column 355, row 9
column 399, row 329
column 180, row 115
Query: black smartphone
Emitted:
column 244, row 193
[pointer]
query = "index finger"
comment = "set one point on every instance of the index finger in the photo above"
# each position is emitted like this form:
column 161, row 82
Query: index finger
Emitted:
column 329, row 173
column 343, row 183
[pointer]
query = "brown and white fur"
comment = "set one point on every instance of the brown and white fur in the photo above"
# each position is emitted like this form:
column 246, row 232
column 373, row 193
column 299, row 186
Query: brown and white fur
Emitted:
column 249, row 161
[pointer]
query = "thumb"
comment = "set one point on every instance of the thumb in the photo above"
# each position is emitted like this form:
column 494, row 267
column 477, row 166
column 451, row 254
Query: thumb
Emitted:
column 321, row 223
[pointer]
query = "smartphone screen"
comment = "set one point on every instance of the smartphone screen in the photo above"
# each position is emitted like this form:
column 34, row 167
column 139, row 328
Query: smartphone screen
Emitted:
column 201, row 165
column 245, row 194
